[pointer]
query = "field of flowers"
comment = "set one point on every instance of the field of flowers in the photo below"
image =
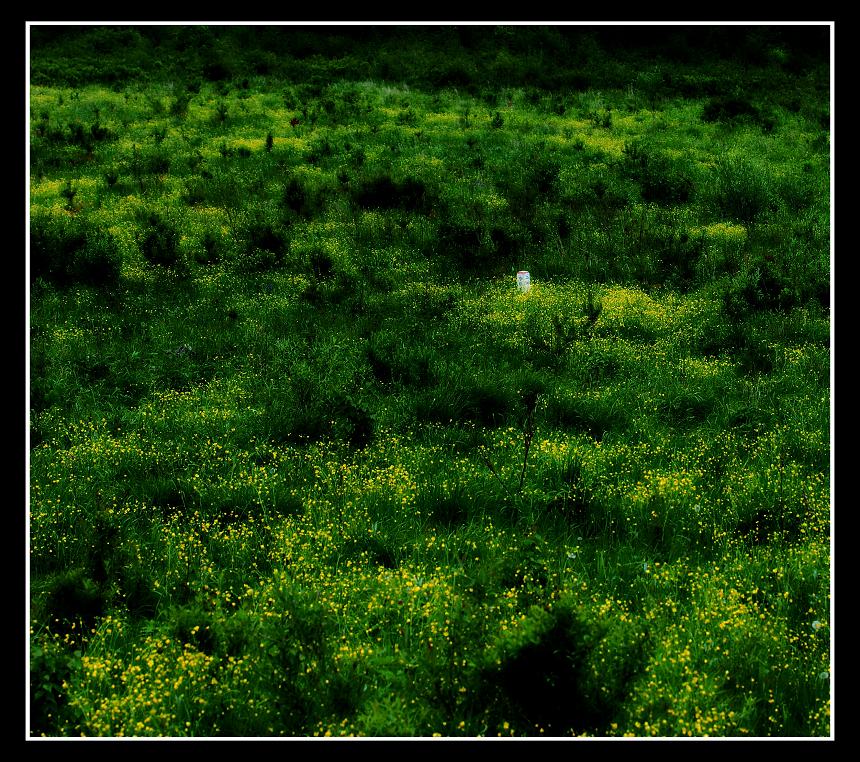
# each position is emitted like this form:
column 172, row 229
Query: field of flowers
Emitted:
column 303, row 460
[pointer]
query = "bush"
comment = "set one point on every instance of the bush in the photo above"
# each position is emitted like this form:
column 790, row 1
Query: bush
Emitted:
column 308, row 410
column 73, row 598
column 544, row 676
column 529, row 180
column 300, row 199
column 660, row 178
column 674, row 252
column 65, row 249
column 381, row 191
column 322, row 265
column 267, row 242
column 159, row 242
column 215, row 71
column 740, row 191
column 760, row 286
column 726, row 108
column 463, row 243
column 51, row 664
column 54, row 242
column 99, row 263
column 210, row 251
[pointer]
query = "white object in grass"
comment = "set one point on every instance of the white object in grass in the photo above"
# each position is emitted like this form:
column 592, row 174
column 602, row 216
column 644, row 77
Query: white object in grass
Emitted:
column 523, row 281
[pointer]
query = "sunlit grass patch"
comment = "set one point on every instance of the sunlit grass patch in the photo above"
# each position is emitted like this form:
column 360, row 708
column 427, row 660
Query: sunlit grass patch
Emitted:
column 723, row 232
column 611, row 145
column 443, row 119
column 631, row 309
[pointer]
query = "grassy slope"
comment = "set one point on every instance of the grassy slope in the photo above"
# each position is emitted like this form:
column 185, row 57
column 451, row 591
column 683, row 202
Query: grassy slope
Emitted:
column 277, row 475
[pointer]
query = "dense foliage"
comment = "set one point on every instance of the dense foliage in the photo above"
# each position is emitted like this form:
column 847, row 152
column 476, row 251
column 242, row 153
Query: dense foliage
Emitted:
column 304, row 462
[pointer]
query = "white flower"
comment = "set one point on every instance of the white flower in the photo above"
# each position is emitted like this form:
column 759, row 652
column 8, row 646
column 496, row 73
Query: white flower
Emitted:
column 816, row 625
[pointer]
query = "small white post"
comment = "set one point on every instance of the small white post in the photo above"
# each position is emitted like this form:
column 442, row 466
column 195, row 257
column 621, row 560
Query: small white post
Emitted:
column 523, row 281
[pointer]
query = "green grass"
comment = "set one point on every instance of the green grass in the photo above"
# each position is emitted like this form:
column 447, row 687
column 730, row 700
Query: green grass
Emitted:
column 304, row 462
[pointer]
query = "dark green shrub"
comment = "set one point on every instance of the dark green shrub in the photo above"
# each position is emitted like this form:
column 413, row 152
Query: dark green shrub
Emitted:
column 99, row 262
column 726, row 108
column 196, row 191
column 343, row 288
column 215, row 71
column 382, row 364
column 266, row 237
column 462, row 242
column 448, row 507
column 66, row 249
column 195, row 160
column 688, row 406
column 597, row 366
column 320, row 149
column 763, row 284
column 309, row 410
column 159, row 134
column 465, row 398
column 300, row 653
column 358, row 423
column 673, row 250
column 453, row 72
column 300, row 199
column 68, row 192
column 157, row 164
column 99, row 133
column 381, row 191
column 507, row 242
column 601, row 118
column 179, row 106
column 51, row 665
column 257, row 260
column 321, row 264
column 393, row 361
column 541, row 172
column 73, row 597
column 547, row 679
column 415, row 196
column 158, row 240
column 192, row 625
column 660, row 179
column 529, row 181
column 78, row 135
column 140, row 596
column 407, row 118
column 740, row 190
column 210, row 251
column 802, row 190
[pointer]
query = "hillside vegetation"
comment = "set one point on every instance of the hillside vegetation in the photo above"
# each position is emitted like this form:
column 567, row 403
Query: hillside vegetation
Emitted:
column 305, row 462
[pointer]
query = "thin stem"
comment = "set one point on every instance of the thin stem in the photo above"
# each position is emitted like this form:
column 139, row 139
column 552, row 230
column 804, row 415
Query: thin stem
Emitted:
column 493, row 472
column 528, row 433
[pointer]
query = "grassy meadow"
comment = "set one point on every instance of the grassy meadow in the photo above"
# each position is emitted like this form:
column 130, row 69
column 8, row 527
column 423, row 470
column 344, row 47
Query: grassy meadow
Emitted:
column 304, row 462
